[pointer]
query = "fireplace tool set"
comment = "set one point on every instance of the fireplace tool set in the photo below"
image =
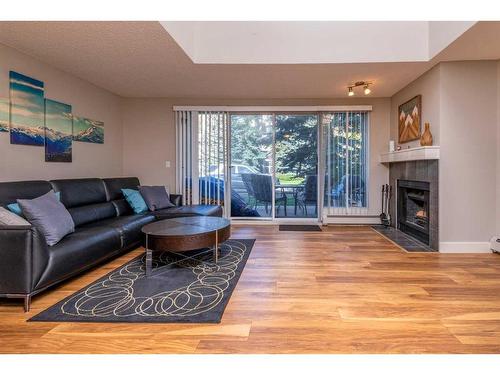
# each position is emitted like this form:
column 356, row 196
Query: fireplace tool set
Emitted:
column 385, row 216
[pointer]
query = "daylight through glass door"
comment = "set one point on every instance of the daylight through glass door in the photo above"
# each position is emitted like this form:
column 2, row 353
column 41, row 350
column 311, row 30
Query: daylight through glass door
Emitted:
column 274, row 166
column 296, row 143
column 252, row 166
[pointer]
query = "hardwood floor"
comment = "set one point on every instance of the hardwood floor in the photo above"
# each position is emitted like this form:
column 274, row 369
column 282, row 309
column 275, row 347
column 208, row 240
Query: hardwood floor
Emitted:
column 343, row 290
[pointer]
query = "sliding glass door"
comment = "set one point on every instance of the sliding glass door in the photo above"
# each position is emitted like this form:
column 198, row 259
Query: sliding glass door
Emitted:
column 251, row 153
column 274, row 166
column 266, row 165
column 296, row 144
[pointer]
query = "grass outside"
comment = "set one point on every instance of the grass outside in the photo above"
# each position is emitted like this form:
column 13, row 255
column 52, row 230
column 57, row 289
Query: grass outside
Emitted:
column 289, row 179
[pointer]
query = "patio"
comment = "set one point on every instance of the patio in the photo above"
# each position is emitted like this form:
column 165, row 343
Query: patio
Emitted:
column 292, row 201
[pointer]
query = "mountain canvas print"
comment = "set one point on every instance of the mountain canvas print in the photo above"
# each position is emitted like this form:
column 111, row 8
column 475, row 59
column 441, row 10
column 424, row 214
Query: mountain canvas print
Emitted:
column 4, row 115
column 58, row 132
column 410, row 114
column 27, row 110
column 86, row 130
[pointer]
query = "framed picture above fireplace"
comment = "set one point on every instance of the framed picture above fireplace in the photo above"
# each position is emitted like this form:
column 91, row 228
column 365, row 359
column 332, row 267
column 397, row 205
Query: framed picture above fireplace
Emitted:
column 410, row 114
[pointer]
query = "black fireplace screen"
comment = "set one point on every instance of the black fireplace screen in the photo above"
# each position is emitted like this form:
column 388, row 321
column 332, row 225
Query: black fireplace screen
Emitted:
column 413, row 209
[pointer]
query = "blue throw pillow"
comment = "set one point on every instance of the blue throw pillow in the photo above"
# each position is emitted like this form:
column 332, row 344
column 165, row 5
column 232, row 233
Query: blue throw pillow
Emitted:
column 135, row 200
column 14, row 207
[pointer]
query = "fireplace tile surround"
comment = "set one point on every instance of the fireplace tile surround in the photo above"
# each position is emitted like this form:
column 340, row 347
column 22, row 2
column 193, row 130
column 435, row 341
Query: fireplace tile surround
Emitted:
column 423, row 171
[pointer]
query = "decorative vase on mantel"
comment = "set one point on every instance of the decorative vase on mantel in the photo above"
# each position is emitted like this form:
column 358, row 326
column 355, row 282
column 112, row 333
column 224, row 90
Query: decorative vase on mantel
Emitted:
column 426, row 138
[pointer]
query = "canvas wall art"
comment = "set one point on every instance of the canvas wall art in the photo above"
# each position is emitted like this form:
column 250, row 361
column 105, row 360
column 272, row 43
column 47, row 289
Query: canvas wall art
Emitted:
column 86, row 130
column 58, row 132
column 410, row 114
column 4, row 115
column 27, row 110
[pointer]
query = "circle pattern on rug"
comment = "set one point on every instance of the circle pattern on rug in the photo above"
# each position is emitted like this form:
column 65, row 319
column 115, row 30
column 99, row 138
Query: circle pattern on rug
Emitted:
column 117, row 294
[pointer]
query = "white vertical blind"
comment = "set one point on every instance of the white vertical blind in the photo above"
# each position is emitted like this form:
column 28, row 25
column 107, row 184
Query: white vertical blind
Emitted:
column 203, row 160
column 184, row 150
column 212, row 155
column 202, row 157
column 346, row 157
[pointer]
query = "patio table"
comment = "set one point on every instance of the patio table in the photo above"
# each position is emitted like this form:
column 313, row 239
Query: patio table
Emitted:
column 295, row 191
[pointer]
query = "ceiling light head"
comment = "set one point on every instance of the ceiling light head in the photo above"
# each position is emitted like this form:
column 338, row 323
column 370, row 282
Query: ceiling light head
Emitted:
column 364, row 84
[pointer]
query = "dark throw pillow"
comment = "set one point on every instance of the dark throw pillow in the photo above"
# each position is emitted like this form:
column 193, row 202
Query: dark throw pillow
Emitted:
column 156, row 197
column 49, row 216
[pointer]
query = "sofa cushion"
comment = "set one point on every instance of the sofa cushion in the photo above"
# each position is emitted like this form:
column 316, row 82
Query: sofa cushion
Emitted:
column 129, row 227
column 122, row 207
column 79, row 250
column 49, row 216
column 92, row 212
column 114, row 186
column 115, row 195
column 156, row 197
column 80, row 192
column 11, row 191
column 191, row 210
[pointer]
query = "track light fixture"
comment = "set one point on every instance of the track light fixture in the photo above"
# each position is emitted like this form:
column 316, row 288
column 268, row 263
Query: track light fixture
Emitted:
column 365, row 84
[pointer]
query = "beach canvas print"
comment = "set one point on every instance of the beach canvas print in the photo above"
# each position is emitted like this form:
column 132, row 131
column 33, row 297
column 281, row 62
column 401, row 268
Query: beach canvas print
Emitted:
column 410, row 114
column 58, row 132
column 27, row 110
column 4, row 115
column 86, row 130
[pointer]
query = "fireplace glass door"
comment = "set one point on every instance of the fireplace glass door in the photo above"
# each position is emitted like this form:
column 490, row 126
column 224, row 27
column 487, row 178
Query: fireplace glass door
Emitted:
column 413, row 209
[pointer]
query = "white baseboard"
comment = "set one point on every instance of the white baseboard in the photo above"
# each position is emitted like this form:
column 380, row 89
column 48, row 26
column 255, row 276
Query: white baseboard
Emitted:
column 464, row 247
column 358, row 220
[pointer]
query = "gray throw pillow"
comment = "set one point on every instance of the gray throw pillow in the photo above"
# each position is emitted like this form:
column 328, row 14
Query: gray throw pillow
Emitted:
column 156, row 197
column 49, row 216
column 10, row 218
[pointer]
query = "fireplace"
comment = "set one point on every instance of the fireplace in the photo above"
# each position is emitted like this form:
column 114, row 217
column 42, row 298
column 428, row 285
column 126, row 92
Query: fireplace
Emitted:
column 413, row 211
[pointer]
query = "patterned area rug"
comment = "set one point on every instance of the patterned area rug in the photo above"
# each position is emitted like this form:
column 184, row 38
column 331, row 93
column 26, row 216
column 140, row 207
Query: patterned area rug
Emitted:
column 184, row 288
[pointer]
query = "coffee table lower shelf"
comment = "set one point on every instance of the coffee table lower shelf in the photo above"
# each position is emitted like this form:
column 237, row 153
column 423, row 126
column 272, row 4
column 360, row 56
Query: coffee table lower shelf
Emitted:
column 149, row 257
column 181, row 235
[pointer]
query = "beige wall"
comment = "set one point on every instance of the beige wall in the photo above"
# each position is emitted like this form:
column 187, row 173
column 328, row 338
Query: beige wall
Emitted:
column 19, row 162
column 149, row 141
column 460, row 101
column 498, row 148
column 468, row 151
column 149, row 136
column 427, row 85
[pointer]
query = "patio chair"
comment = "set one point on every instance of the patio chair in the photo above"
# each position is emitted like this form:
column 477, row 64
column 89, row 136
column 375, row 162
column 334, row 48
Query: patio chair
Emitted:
column 310, row 194
column 262, row 186
column 246, row 178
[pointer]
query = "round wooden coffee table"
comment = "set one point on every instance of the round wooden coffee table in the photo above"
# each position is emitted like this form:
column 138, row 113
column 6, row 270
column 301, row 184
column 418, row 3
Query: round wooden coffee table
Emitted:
column 185, row 234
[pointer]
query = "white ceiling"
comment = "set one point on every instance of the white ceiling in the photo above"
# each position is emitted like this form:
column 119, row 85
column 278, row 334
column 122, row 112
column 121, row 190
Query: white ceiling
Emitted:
column 140, row 59
column 300, row 42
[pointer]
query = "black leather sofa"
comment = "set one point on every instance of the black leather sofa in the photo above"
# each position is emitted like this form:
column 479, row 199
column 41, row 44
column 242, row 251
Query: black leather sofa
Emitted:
column 105, row 226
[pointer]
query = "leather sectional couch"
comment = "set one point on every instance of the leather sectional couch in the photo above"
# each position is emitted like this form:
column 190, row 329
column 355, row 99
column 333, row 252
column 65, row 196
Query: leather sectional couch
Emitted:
column 105, row 226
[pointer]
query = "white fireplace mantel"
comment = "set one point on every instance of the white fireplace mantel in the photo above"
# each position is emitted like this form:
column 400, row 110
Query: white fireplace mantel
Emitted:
column 415, row 153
